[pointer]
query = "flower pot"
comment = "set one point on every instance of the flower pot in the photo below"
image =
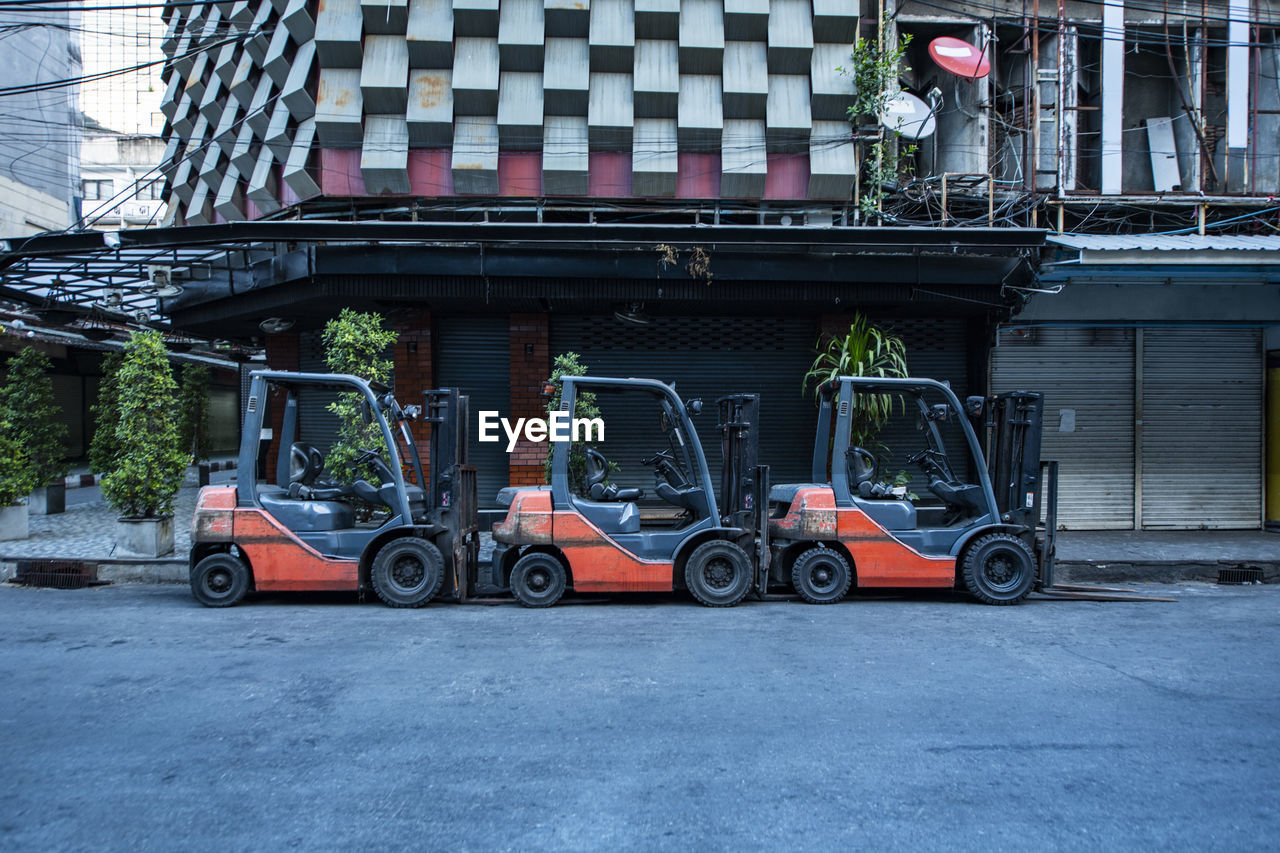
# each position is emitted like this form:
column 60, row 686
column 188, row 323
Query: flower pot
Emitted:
column 144, row 537
column 48, row 500
column 13, row 522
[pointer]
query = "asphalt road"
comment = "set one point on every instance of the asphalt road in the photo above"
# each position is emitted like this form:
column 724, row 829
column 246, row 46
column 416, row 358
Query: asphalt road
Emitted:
column 133, row 719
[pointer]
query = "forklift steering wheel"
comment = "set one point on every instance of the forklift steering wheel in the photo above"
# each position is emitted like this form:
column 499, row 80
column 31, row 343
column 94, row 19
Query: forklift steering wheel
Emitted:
column 375, row 461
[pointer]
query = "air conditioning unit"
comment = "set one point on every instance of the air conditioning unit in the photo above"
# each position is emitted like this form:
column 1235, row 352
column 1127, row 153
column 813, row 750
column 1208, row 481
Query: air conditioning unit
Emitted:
column 140, row 212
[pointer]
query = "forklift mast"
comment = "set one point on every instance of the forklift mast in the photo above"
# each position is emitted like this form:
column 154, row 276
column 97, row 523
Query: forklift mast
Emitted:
column 446, row 411
column 1014, row 421
column 738, row 420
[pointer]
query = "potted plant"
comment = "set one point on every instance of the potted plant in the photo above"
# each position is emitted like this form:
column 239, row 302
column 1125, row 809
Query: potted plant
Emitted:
column 26, row 397
column 193, row 411
column 103, row 447
column 570, row 364
column 16, row 481
column 149, row 464
column 356, row 343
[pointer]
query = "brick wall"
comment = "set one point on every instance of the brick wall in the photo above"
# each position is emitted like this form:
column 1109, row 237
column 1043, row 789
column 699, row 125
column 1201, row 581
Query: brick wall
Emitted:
column 414, row 372
column 530, row 366
column 282, row 354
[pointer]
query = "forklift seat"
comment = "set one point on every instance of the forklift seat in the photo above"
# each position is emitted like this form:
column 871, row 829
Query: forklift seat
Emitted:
column 305, row 516
column 305, row 463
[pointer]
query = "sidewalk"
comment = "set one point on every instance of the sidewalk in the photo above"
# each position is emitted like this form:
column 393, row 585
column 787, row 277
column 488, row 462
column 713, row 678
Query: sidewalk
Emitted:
column 86, row 531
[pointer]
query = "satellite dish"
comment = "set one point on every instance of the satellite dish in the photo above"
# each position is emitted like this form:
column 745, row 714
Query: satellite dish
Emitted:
column 909, row 116
column 959, row 57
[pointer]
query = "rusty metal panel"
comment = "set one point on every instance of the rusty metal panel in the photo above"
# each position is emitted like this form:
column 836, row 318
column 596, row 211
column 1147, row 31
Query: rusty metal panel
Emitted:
column 598, row 564
column 610, row 112
column 746, row 80
column 832, row 90
column 657, row 79
column 229, row 202
column 566, row 81
column 385, row 17
column 475, row 76
column 836, row 21
column 658, row 19
column 296, row 172
column 520, row 35
column 654, row 158
column 701, row 117
column 478, row 18
column 787, row 112
column 743, row 163
column 263, row 189
column 384, row 156
column 339, row 108
column 338, row 27
column 296, row 93
column 475, row 155
column 281, row 561
column 567, row 18
column 430, row 113
column 832, row 163
column 244, row 155
column 612, row 36
column 520, row 111
column 429, row 34
column 384, row 74
column 565, row 161
column 701, row 37
column 746, row 20
column 790, row 37
column 297, row 19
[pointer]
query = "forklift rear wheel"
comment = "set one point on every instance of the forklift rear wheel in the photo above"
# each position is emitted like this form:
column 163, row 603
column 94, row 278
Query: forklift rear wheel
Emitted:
column 219, row 580
column 407, row 572
column 821, row 576
column 718, row 573
column 999, row 569
column 538, row 580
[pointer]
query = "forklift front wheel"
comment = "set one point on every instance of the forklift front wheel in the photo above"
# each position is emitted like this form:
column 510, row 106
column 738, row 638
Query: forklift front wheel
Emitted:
column 821, row 576
column 538, row 579
column 219, row 580
column 718, row 573
column 999, row 569
column 407, row 572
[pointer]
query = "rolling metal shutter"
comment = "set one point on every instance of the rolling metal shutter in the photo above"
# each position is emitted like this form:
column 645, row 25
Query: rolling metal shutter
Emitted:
column 1087, row 378
column 473, row 354
column 1202, row 428
column 706, row 358
column 316, row 425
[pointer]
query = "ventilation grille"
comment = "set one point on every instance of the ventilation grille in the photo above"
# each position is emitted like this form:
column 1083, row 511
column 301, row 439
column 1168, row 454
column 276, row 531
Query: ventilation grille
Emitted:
column 1243, row 575
column 57, row 574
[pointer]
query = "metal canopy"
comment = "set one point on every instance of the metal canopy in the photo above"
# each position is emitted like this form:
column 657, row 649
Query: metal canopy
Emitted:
column 138, row 275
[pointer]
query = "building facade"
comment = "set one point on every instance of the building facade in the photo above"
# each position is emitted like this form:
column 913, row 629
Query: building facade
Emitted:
column 39, row 122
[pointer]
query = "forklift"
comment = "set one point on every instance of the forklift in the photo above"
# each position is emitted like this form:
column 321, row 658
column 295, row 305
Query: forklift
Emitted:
column 590, row 535
column 981, row 531
column 403, row 535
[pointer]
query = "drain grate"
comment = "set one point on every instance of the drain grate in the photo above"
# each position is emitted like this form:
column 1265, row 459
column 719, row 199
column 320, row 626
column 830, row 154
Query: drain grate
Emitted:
column 57, row 574
column 1241, row 575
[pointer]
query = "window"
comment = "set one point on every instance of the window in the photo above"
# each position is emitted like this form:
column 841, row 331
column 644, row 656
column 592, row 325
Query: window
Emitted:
column 95, row 190
column 151, row 191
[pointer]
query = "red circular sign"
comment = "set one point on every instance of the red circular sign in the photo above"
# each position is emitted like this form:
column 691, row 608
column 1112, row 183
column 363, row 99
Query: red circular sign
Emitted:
column 959, row 57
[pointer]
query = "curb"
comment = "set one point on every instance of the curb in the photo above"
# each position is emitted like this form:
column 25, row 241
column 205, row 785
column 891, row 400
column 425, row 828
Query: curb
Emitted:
column 76, row 481
column 164, row 571
column 1158, row 571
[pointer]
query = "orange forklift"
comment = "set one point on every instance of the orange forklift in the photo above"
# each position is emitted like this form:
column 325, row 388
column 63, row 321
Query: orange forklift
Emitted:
column 980, row 530
column 590, row 535
column 403, row 535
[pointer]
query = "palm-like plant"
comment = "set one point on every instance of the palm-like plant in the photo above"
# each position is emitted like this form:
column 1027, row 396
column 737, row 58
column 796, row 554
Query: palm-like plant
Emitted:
column 864, row 351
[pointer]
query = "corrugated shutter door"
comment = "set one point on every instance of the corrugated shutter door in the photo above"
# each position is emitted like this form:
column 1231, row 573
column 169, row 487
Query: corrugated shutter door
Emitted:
column 1202, row 428
column 68, row 396
column 316, row 425
column 1087, row 378
column 706, row 358
column 473, row 354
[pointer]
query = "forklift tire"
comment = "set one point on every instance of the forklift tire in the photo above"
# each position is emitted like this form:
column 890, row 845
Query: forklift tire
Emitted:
column 538, row 579
column 999, row 569
column 219, row 580
column 407, row 572
column 821, row 576
column 718, row 573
